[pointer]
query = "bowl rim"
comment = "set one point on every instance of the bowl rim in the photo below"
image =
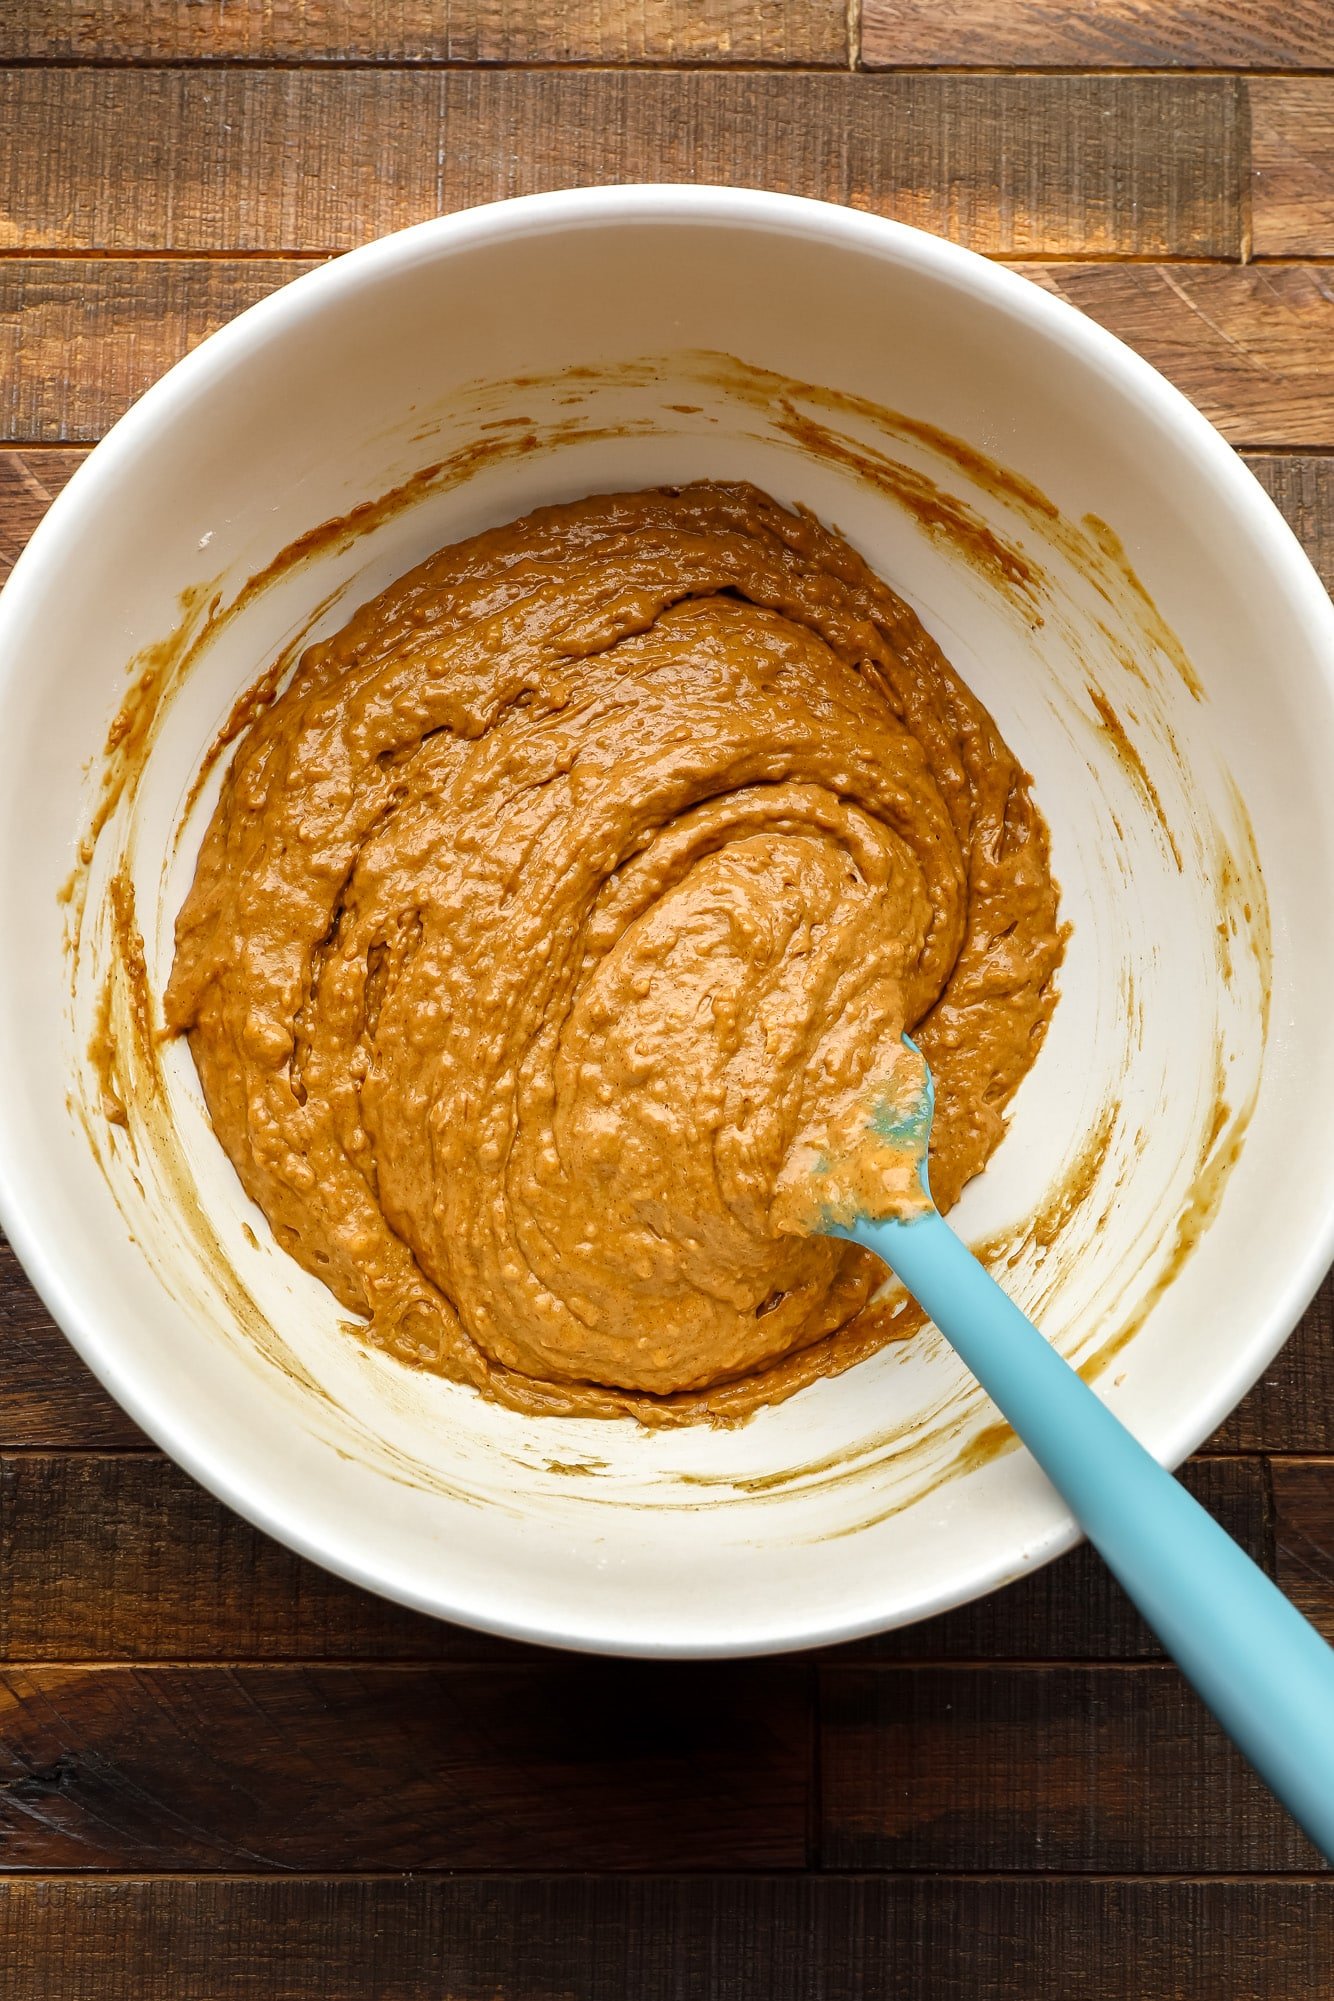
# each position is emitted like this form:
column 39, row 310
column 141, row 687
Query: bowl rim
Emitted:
column 72, row 1302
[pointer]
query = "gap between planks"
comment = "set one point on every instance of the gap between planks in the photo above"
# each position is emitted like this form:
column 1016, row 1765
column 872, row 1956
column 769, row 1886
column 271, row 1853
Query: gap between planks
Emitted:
column 641, row 65
column 1204, row 1879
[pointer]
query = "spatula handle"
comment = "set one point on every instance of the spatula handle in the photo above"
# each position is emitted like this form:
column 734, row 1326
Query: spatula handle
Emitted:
column 1259, row 1665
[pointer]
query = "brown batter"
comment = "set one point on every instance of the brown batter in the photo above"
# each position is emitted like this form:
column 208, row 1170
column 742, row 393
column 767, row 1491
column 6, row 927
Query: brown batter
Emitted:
column 567, row 897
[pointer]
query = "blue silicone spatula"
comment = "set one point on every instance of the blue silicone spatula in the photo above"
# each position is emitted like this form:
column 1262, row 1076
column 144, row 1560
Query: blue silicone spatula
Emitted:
column 1260, row 1666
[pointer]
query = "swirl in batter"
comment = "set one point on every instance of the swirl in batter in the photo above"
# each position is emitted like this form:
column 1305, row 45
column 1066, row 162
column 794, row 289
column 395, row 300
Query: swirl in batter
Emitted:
column 562, row 903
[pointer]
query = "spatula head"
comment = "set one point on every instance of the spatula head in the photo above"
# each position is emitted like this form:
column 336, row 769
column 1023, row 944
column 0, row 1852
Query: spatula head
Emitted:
column 868, row 1163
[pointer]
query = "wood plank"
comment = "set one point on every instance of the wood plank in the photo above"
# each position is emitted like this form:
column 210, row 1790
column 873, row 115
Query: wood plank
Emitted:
column 736, row 1938
column 132, row 159
column 47, row 1395
column 29, row 482
column 1104, row 1769
column 1302, row 488
column 1292, row 166
column 79, row 341
column 1252, row 346
column 578, row 1764
column 1304, row 1536
column 1291, row 1408
column 1114, row 34
column 1072, row 1609
column 773, row 32
column 125, row 1558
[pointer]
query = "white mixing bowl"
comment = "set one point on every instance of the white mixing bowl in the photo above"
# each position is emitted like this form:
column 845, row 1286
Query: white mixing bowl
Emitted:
column 1165, row 1197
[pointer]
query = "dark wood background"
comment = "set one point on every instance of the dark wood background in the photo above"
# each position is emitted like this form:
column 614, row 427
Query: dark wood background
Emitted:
column 223, row 1775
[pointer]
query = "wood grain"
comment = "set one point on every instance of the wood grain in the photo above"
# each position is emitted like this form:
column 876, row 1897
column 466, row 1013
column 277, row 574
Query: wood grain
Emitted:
column 125, row 1558
column 426, row 31
column 47, row 1395
column 80, row 341
column 999, row 1768
column 1304, row 1536
column 29, row 482
column 1113, row 34
column 1302, row 488
column 578, row 1764
column 301, row 161
column 737, row 1938
column 1292, row 161
column 1253, row 347
column 1291, row 1408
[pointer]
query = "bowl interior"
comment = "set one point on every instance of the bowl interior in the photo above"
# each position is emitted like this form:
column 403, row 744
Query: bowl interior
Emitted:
column 1095, row 564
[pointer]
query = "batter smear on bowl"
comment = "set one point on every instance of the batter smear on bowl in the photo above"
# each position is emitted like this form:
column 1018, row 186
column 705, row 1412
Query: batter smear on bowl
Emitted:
column 561, row 903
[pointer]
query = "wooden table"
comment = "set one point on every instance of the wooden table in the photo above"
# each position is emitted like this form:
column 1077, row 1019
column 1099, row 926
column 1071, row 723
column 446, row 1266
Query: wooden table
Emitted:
column 225, row 1775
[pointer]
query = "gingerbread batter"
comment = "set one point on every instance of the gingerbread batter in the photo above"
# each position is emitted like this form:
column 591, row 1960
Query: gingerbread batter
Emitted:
column 562, row 907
